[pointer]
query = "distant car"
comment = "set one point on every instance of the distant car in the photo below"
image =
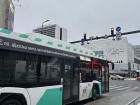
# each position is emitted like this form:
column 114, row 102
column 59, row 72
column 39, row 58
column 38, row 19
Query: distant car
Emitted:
column 120, row 77
column 117, row 77
column 138, row 78
column 112, row 77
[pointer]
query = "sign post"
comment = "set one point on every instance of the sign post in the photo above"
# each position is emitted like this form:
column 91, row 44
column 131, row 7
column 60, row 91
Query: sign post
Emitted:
column 118, row 33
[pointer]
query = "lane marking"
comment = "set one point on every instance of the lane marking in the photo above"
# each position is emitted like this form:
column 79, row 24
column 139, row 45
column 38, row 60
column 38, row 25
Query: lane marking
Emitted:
column 123, row 88
column 116, row 87
column 113, row 86
column 133, row 88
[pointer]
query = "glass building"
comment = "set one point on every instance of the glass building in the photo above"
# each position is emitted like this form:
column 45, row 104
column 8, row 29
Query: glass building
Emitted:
column 54, row 31
column 7, row 11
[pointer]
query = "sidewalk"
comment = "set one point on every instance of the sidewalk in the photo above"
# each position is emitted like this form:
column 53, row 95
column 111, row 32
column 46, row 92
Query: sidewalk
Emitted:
column 130, row 79
column 122, row 99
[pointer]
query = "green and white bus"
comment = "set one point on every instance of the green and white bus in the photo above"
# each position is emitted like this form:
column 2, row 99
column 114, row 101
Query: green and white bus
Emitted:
column 39, row 70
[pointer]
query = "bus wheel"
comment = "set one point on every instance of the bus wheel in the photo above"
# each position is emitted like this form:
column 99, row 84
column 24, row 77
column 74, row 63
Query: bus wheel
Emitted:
column 11, row 102
column 94, row 93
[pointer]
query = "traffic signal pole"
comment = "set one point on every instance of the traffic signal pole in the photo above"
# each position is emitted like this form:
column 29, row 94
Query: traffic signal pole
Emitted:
column 107, row 36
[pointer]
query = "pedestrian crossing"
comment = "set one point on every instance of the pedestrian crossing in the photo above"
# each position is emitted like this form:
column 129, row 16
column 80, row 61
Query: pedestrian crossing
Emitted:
column 120, row 87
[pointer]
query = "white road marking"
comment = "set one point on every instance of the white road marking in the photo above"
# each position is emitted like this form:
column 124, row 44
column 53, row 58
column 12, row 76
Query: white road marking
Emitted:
column 130, row 79
column 116, row 87
column 133, row 88
column 113, row 85
column 123, row 88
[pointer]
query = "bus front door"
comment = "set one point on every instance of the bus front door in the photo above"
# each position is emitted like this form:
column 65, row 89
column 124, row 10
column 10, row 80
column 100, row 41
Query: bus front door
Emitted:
column 71, row 83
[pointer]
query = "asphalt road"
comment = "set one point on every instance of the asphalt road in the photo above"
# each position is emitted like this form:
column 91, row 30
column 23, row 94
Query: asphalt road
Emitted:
column 121, row 92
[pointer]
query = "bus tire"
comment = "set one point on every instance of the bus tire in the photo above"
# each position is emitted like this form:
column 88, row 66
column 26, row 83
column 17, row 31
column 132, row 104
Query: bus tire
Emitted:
column 94, row 93
column 11, row 101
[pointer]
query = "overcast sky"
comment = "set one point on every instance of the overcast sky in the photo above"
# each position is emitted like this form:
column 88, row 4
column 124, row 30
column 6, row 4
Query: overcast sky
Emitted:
column 94, row 17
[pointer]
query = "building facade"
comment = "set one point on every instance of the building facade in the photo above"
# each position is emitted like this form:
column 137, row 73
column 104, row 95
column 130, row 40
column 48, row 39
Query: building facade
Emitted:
column 54, row 31
column 137, row 50
column 120, row 52
column 7, row 11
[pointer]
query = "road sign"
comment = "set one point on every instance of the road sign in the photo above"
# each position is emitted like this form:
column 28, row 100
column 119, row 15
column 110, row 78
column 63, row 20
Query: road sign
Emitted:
column 118, row 36
column 118, row 29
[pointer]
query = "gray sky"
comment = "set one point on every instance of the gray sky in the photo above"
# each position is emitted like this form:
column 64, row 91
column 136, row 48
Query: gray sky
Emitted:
column 94, row 17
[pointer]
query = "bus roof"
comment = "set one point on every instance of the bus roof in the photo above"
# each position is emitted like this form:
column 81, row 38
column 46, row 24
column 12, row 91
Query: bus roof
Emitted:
column 43, row 40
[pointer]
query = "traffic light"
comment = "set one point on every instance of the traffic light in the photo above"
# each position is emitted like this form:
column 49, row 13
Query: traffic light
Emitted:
column 85, row 37
column 112, row 31
column 82, row 41
column 97, row 37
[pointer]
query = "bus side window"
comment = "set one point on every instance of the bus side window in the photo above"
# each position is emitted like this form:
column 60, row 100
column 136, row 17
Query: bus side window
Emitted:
column 25, row 70
column 7, row 67
column 93, row 76
column 85, row 76
column 51, row 70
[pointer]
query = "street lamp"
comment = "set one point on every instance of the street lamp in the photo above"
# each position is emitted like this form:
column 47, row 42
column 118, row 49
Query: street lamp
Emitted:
column 42, row 25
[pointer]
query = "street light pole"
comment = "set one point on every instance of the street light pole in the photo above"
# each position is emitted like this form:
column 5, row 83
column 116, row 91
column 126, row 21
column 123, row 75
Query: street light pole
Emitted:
column 42, row 25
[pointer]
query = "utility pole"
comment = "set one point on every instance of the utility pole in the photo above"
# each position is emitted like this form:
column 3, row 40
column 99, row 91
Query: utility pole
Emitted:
column 42, row 28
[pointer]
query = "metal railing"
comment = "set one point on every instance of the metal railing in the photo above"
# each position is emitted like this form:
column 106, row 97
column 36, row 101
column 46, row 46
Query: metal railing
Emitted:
column 136, row 101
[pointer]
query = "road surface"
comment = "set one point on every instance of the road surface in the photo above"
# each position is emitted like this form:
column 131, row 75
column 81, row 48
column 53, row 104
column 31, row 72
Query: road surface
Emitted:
column 122, row 92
